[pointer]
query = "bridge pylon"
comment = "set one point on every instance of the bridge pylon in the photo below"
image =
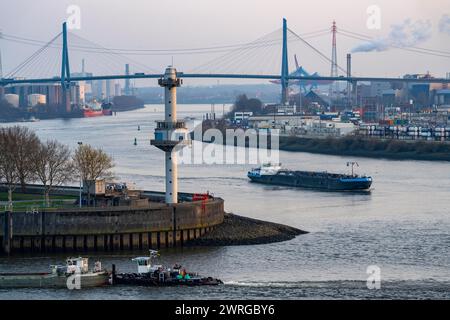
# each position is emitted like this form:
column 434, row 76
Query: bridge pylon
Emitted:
column 65, row 71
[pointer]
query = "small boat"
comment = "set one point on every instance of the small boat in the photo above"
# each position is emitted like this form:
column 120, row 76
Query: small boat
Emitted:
column 149, row 274
column 74, row 275
column 31, row 119
column 275, row 175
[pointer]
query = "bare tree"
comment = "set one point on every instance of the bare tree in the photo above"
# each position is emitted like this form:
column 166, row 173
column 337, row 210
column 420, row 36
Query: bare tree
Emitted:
column 53, row 166
column 26, row 144
column 8, row 169
column 92, row 164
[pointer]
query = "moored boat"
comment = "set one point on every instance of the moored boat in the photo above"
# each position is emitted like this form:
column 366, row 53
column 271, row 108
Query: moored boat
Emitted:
column 150, row 274
column 74, row 275
column 93, row 109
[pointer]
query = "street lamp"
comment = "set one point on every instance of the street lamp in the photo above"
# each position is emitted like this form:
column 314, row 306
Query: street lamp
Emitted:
column 81, row 179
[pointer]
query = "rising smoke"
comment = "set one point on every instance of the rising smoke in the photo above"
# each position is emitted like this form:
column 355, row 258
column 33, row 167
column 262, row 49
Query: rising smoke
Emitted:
column 444, row 24
column 406, row 34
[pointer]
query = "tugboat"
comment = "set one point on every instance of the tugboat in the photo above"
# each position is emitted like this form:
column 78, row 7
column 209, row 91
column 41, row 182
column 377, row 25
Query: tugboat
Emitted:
column 149, row 274
column 275, row 175
column 61, row 276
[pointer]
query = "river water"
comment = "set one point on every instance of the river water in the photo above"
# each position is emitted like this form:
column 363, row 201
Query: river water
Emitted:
column 402, row 226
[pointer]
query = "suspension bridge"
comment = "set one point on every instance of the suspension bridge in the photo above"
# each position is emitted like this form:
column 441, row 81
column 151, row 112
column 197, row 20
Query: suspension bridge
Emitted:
column 51, row 62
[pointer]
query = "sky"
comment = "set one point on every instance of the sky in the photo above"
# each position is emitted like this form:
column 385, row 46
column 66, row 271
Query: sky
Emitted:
column 149, row 24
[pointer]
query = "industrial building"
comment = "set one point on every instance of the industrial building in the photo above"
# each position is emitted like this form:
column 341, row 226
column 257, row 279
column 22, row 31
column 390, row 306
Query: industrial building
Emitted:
column 27, row 94
column 36, row 99
column 442, row 97
column 308, row 126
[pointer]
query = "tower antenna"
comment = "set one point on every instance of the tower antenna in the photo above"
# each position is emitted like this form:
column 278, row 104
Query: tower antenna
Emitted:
column 334, row 66
column 1, row 67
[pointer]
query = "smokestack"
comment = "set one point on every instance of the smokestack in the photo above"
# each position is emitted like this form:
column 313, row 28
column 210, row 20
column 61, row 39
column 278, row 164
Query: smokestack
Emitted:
column 82, row 66
column 349, row 65
column 349, row 74
column 127, row 81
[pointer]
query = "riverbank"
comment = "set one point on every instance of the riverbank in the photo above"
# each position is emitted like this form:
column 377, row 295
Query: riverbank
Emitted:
column 354, row 146
column 237, row 230
column 25, row 116
column 370, row 148
column 12, row 114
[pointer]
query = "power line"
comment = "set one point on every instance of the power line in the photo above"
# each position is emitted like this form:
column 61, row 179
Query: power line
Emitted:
column 103, row 50
column 410, row 49
column 112, row 53
column 161, row 51
column 361, row 37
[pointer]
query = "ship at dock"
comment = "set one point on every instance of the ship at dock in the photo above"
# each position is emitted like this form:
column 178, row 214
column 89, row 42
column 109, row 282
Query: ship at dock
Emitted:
column 276, row 175
column 93, row 109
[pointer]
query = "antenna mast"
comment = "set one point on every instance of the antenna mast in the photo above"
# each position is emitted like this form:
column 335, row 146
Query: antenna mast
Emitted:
column 1, row 68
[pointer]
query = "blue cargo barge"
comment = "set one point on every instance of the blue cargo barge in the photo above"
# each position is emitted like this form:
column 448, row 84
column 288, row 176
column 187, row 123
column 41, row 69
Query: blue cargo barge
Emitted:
column 275, row 175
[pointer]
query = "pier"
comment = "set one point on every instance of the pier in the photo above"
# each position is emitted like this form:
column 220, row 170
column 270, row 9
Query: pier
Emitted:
column 111, row 229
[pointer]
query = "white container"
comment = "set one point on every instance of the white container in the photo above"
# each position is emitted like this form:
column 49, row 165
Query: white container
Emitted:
column 12, row 99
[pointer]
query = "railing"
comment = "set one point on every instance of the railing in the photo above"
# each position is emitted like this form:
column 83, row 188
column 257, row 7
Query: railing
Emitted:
column 170, row 125
column 35, row 206
column 156, row 201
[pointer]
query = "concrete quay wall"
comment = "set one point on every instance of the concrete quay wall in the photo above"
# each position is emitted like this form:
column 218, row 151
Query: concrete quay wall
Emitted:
column 109, row 229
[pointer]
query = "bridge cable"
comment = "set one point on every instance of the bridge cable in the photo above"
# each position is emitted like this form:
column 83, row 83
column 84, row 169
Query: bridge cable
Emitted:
column 32, row 57
column 316, row 50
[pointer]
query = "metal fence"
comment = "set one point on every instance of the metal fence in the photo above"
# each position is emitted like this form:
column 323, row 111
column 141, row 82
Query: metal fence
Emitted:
column 34, row 206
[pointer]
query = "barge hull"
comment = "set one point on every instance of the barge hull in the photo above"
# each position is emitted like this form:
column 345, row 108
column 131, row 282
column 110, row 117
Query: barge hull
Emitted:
column 139, row 280
column 315, row 183
column 49, row 280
